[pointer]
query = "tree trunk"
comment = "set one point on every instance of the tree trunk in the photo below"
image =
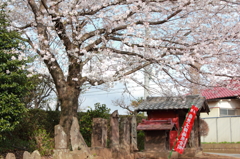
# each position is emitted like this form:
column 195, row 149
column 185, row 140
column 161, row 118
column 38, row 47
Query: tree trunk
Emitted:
column 69, row 107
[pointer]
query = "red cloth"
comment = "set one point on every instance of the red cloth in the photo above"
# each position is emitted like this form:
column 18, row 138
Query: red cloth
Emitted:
column 186, row 130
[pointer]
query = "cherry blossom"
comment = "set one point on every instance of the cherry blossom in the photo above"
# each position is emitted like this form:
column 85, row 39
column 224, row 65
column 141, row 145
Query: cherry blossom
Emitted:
column 186, row 43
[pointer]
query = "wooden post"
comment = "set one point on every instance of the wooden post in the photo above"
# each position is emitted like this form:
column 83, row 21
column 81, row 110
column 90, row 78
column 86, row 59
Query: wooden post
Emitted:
column 199, row 134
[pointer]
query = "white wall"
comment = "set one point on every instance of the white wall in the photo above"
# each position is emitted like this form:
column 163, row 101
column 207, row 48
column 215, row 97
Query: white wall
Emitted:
column 223, row 129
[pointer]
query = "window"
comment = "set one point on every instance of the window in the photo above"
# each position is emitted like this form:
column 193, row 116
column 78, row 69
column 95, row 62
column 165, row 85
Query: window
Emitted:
column 227, row 112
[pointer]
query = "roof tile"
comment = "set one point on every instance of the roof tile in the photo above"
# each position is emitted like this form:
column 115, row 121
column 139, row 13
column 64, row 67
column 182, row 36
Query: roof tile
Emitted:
column 219, row 92
column 164, row 103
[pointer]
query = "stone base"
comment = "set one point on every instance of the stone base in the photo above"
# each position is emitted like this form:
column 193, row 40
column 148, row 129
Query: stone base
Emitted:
column 105, row 153
column 62, row 154
column 95, row 153
column 122, row 154
column 77, row 154
column 156, row 155
column 101, row 151
column 66, row 154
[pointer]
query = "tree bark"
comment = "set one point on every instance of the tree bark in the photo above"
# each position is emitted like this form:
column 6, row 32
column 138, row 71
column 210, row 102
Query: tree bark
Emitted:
column 69, row 107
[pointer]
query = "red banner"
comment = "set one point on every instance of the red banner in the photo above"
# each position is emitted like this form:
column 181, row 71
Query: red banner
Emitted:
column 186, row 130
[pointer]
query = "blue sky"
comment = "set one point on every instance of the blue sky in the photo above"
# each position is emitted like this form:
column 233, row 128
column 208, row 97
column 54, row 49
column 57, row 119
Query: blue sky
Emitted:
column 93, row 96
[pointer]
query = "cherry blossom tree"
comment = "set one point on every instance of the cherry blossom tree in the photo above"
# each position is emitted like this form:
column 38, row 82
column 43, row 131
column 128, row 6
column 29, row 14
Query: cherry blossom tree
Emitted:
column 89, row 42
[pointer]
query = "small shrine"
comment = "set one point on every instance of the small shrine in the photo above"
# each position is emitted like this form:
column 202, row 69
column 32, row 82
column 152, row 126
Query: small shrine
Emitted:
column 165, row 117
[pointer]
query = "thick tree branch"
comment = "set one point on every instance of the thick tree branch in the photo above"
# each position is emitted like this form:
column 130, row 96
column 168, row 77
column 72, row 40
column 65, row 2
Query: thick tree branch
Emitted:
column 90, row 47
column 54, row 69
column 92, row 34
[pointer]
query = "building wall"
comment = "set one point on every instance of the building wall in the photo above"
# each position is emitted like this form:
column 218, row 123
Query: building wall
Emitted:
column 215, row 107
column 229, row 103
column 222, row 129
column 214, row 112
column 238, row 111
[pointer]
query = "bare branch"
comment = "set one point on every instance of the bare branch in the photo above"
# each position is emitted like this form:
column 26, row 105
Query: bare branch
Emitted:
column 121, row 103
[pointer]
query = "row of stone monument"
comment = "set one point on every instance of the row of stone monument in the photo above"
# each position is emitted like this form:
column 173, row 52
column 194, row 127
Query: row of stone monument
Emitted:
column 26, row 155
column 120, row 145
column 124, row 144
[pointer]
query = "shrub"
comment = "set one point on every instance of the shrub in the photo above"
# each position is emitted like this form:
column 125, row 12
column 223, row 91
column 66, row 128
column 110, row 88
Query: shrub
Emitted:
column 44, row 144
column 36, row 130
column 34, row 123
column 140, row 140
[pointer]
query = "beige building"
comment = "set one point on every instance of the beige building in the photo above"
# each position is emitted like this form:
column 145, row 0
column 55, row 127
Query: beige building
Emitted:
column 222, row 102
column 224, row 117
column 223, row 107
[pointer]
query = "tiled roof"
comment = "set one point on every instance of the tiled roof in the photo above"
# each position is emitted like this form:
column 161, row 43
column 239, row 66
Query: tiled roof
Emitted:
column 219, row 92
column 164, row 103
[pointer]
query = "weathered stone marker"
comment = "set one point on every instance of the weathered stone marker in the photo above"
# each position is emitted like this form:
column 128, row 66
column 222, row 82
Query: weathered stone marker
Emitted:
column 77, row 140
column 10, row 156
column 34, row 155
column 134, row 134
column 26, row 155
column 60, row 137
column 125, row 132
column 99, row 132
column 115, row 130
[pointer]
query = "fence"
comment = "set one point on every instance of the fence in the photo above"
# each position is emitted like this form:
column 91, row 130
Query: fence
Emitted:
column 223, row 129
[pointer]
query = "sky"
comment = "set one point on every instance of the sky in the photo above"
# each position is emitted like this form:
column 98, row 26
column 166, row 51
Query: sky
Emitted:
column 94, row 95
column 99, row 94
